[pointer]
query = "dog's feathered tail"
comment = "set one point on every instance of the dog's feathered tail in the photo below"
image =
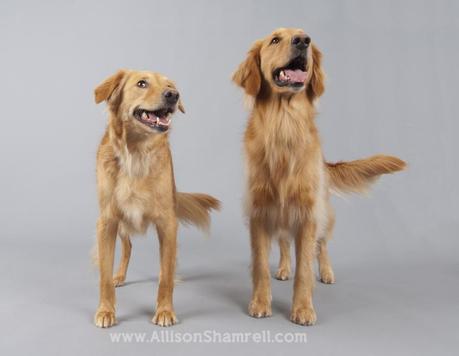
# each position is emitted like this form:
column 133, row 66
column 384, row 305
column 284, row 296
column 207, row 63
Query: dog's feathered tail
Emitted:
column 357, row 176
column 194, row 208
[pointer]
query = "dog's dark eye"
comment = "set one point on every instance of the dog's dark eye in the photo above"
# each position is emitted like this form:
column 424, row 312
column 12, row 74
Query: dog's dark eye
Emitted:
column 142, row 84
column 275, row 40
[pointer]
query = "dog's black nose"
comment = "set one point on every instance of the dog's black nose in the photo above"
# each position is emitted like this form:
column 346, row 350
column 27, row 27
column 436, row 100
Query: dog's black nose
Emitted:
column 301, row 42
column 171, row 96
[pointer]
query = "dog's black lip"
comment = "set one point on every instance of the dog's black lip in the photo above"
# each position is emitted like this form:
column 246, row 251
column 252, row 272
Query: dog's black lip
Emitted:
column 298, row 62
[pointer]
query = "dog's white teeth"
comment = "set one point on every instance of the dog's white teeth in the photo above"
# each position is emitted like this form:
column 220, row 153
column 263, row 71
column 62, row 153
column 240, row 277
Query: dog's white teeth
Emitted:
column 157, row 120
column 144, row 115
column 283, row 76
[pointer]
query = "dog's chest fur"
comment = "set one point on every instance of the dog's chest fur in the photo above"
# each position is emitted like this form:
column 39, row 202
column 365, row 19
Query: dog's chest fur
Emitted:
column 144, row 189
column 134, row 198
column 284, row 160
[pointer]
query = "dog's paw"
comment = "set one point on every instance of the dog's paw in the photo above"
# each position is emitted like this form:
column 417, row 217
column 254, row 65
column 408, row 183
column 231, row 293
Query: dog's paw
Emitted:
column 118, row 280
column 304, row 316
column 283, row 274
column 164, row 318
column 104, row 318
column 258, row 309
column 327, row 276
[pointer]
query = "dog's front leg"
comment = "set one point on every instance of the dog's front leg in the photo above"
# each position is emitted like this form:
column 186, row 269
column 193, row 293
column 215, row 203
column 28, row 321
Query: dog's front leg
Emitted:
column 106, row 238
column 167, row 234
column 303, row 310
column 260, row 305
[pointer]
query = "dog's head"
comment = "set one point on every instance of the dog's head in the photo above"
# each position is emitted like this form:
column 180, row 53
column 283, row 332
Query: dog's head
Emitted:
column 144, row 101
column 284, row 62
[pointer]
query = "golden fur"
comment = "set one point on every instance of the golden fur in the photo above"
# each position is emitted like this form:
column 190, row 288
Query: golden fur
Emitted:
column 289, row 183
column 136, row 188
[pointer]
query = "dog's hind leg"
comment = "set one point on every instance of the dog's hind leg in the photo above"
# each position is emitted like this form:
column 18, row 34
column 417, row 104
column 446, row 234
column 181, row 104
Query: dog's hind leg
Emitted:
column 126, row 247
column 284, row 269
column 325, row 269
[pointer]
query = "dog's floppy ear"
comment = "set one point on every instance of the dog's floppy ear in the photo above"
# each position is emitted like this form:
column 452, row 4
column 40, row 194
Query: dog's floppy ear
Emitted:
column 316, row 86
column 248, row 74
column 105, row 89
column 180, row 106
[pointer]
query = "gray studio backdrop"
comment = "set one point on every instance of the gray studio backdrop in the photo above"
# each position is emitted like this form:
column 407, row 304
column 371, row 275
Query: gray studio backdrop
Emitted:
column 392, row 88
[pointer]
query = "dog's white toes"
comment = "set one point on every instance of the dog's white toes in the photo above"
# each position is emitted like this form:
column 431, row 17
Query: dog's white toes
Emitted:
column 282, row 274
column 304, row 316
column 260, row 309
column 327, row 276
column 119, row 280
column 164, row 318
column 104, row 318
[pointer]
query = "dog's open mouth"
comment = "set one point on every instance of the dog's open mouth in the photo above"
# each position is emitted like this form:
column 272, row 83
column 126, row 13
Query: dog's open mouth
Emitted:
column 157, row 119
column 293, row 74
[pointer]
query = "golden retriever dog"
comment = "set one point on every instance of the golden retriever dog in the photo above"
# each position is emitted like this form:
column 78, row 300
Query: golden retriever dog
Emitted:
column 136, row 186
column 289, row 183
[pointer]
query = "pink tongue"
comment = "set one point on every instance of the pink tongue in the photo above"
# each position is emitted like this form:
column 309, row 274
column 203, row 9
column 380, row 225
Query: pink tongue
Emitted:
column 152, row 118
column 297, row 75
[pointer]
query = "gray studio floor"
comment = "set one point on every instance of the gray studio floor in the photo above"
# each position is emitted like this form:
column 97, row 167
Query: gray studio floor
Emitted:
column 377, row 307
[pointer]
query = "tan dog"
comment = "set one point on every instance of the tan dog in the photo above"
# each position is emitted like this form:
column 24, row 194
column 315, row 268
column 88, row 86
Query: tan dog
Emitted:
column 289, row 183
column 136, row 184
